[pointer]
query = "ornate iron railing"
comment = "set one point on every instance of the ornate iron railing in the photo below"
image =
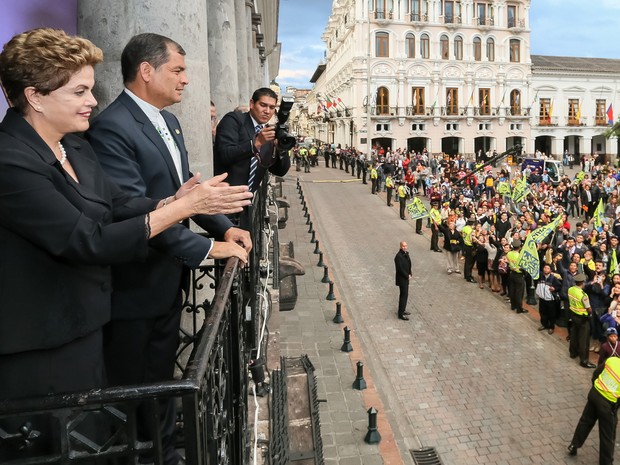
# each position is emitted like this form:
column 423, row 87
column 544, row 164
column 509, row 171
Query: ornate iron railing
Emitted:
column 217, row 339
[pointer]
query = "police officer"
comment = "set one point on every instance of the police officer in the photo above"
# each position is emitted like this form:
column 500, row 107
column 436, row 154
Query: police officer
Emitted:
column 602, row 406
column 374, row 177
column 435, row 221
column 389, row 186
column 468, row 249
column 516, row 281
column 402, row 198
column 580, row 311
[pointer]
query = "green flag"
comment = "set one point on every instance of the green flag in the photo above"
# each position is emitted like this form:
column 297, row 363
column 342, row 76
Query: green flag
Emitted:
column 539, row 234
column 599, row 216
column 416, row 209
column 613, row 264
column 503, row 188
column 520, row 191
column 528, row 258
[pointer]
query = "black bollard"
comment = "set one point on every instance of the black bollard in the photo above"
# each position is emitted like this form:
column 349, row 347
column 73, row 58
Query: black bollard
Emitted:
column 346, row 345
column 310, row 225
column 316, row 249
column 338, row 317
column 330, row 294
column 313, row 238
column 325, row 279
column 320, row 260
column 360, row 382
column 372, row 436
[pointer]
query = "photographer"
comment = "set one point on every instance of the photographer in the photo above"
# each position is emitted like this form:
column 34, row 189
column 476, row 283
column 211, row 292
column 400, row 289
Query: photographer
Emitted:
column 246, row 146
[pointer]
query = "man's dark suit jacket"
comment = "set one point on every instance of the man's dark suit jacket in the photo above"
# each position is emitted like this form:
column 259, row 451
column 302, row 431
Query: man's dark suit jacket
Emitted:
column 135, row 156
column 56, row 240
column 403, row 268
column 234, row 148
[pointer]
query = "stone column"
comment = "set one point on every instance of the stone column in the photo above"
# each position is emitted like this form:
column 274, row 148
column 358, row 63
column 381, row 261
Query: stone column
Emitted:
column 242, row 53
column 254, row 70
column 222, row 40
column 111, row 23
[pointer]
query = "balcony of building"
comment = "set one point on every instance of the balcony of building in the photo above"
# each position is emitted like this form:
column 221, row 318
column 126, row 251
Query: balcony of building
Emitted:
column 416, row 17
column 516, row 24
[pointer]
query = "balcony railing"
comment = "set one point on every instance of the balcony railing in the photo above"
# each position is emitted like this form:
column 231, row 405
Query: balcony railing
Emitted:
column 486, row 21
column 547, row 121
column 452, row 19
column 601, row 121
column 417, row 17
column 382, row 15
column 516, row 23
column 100, row 426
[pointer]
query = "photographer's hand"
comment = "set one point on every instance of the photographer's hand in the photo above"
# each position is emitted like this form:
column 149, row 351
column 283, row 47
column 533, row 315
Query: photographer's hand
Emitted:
column 268, row 133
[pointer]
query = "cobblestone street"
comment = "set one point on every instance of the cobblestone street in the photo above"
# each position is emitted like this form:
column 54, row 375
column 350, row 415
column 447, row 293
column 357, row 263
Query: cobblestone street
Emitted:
column 465, row 375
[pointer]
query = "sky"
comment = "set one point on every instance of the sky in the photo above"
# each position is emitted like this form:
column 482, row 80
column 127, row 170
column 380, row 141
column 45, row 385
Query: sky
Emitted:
column 584, row 28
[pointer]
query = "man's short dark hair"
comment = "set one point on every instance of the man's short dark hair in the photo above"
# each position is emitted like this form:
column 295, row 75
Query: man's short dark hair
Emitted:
column 262, row 92
column 149, row 47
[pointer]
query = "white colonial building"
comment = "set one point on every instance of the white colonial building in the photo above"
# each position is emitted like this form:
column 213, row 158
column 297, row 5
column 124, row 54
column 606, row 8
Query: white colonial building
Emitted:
column 453, row 76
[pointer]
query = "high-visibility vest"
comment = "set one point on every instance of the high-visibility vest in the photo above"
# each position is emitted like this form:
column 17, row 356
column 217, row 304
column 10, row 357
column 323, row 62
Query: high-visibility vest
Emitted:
column 435, row 216
column 513, row 261
column 389, row 183
column 608, row 382
column 466, row 232
column 401, row 192
column 373, row 174
column 575, row 300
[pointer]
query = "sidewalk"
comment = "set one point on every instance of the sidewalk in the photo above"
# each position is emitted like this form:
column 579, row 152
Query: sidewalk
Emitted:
column 465, row 376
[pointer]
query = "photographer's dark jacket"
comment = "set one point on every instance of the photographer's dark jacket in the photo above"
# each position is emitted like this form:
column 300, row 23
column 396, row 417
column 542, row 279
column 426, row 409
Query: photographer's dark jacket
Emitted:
column 234, row 148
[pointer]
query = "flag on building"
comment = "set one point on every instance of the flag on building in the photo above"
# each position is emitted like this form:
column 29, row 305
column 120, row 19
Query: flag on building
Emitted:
column 551, row 110
column 328, row 102
column 610, row 114
column 528, row 258
column 535, row 99
column 416, row 209
column 579, row 113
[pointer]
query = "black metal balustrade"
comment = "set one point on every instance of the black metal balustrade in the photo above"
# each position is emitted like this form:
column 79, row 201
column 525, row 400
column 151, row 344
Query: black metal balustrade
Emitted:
column 100, row 426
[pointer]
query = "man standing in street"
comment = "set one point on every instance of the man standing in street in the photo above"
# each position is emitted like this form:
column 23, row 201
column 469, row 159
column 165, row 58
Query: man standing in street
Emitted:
column 141, row 147
column 516, row 279
column 602, row 406
column 389, row 187
column 402, row 200
column 435, row 221
column 402, row 261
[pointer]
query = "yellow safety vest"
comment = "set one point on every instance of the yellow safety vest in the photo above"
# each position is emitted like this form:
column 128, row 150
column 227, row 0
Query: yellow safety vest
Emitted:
column 373, row 174
column 435, row 216
column 513, row 261
column 575, row 300
column 401, row 192
column 466, row 232
column 389, row 183
column 608, row 382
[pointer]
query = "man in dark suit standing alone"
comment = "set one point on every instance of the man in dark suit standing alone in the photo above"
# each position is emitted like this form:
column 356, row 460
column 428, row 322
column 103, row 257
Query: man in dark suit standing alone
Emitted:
column 141, row 147
column 245, row 143
column 403, row 275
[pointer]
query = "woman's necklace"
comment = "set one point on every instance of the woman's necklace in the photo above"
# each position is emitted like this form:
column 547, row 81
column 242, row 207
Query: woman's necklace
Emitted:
column 63, row 157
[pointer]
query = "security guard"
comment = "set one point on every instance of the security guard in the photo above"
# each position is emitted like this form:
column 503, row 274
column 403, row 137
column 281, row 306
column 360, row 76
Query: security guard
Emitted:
column 579, row 317
column 468, row 249
column 402, row 198
column 435, row 219
column 389, row 186
column 374, row 177
column 602, row 406
column 516, row 282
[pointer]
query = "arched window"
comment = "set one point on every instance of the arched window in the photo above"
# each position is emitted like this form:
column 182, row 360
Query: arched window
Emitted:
column 458, row 48
column 490, row 50
column 444, row 47
column 382, row 41
column 383, row 101
column 515, row 102
column 515, row 50
column 410, row 45
column 477, row 49
column 424, row 46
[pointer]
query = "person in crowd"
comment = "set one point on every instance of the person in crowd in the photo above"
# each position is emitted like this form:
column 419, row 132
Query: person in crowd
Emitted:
column 547, row 291
column 610, row 347
column 63, row 222
column 452, row 244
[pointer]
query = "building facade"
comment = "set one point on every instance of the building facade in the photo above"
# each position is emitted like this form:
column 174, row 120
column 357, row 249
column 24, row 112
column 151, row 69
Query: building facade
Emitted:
column 453, row 76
